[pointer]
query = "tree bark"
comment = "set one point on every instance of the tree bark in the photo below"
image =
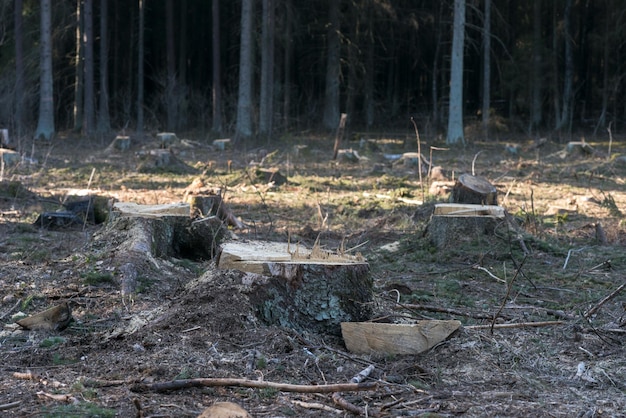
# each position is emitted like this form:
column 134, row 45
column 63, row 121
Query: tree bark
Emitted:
column 565, row 118
column 266, row 108
column 19, row 68
column 455, row 115
column 89, row 102
column 217, row 74
column 140, row 67
column 45, row 125
column 486, row 67
column 170, row 88
column 79, row 71
column 536, row 114
column 333, row 68
column 104, row 121
column 244, row 100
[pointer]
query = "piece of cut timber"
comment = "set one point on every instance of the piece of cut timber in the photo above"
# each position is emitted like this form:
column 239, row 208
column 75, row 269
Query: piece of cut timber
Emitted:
column 372, row 337
column 474, row 190
column 453, row 223
column 166, row 139
column 308, row 289
column 221, row 144
column 121, row 143
column 56, row 318
column 579, row 148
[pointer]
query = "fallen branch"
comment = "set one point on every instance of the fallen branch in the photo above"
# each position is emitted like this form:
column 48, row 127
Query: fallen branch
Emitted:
column 344, row 404
column 4, row 315
column 605, row 300
column 508, row 292
column 284, row 387
column 10, row 405
column 516, row 325
column 451, row 311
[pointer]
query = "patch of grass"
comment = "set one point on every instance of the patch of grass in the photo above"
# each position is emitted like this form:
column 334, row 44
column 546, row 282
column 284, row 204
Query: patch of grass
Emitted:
column 261, row 363
column 51, row 342
column 268, row 393
column 185, row 373
column 80, row 410
column 27, row 301
column 57, row 360
column 96, row 278
column 144, row 283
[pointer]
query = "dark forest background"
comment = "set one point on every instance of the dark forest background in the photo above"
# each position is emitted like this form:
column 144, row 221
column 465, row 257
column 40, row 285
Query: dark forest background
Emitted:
column 394, row 64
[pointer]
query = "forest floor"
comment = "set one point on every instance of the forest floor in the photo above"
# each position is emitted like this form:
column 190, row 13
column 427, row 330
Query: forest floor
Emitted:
column 175, row 327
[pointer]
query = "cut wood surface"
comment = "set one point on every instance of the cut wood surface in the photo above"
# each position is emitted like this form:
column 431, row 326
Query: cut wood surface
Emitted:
column 372, row 337
column 458, row 209
column 475, row 190
column 152, row 211
column 56, row 318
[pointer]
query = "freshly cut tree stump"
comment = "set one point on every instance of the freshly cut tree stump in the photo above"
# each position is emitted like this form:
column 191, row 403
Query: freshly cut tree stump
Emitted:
column 166, row 139
column 305, row 289
column 162, row 160
column 453, row 223
column 474, row 190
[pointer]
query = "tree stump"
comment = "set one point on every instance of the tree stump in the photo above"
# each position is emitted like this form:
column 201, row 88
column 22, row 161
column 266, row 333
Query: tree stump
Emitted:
column 295, row 287
column 473, row 190
column 452, row 224
column 166, row 139
column 162, row 160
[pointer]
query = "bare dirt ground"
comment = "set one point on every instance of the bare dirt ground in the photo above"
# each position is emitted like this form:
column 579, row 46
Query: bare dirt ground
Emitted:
column 187, row 320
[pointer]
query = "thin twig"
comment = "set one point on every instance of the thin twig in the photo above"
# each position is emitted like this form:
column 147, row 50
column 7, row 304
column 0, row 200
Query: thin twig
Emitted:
column 419, row 156
column 10, row 405
column 316, row 405
column 19, row 301
column 605, row 300
column 610, row 141
column 508, row 292
column 515, row 325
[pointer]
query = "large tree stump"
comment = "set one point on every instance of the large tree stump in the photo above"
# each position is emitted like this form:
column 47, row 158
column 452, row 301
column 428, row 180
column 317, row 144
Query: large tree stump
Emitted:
column 295, row 287
column 452, row 224
column 474, row 190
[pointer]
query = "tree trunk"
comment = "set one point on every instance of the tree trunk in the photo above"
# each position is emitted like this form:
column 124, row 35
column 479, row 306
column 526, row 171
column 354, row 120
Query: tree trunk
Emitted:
column 79, row 71
column 140, row 68
column 333, row 68
column 19, row 68
column 288, row 63
column 536, row 114
column 89, row 103
column 217, row 84
column 45, row 125
column 170, row 88
column 244, row 100
column 455, row 115
column 565, row 119
column 266, row 108
column 486, row 67
column 474, row 190
column 104, row 122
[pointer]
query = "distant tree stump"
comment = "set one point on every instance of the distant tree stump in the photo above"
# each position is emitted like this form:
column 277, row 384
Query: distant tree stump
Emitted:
column 474, row 190
column 300, row 288
column 166, row 139
column 162, row 160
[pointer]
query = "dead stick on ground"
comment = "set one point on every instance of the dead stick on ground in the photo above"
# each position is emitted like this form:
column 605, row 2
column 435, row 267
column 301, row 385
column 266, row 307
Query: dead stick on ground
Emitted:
column 508, row 292
column 11, row 309
column 316, row 405
column 516, row 325
column 284, row 387
column 605, row 300
column 10, row 405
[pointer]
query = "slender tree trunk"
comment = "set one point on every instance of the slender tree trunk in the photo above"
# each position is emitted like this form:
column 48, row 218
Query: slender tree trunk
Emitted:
column 89, row 104
column 140, row 67
column 79, row 74
column 370, row 74
column 170, row 96
column 266, row 110
column 182, row 44
column 333, row 69
column 19, row 68
column 536, row 114
column 217, row 73
column 244, row 100
column 104, row 122
column 486, row 67
column 605, row 72
column 288, row 62
column 565, row 119
column 435, row 70
column 455, row 115
column 45, row 124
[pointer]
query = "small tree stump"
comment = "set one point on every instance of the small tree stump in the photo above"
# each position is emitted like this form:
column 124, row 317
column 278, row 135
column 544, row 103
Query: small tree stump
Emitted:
column 473, row 190
column 121, row 143
column 305, row 289
column 162, row 160
column 269, row 175
column 166, row 139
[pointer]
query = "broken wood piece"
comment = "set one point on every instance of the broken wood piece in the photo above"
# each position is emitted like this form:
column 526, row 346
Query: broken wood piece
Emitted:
column 162, row 160
column 348, row 155
column 213, row 205
column 308, row 289
column 56, row 318
column 224, row 410
column 452, row 223
column 131, row 209
column 339, row 135
column 474, row 190
column 372, row 337
column 579, row 148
